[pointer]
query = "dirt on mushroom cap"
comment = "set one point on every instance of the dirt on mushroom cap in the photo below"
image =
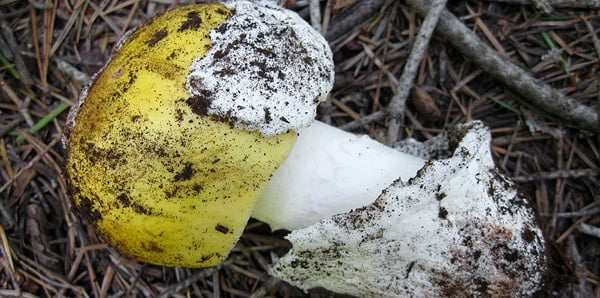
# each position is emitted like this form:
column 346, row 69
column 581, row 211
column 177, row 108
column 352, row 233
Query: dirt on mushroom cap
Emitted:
column 267, row 72
column 159, row 181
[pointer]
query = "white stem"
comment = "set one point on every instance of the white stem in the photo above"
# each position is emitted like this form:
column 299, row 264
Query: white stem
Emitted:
column 330, row 171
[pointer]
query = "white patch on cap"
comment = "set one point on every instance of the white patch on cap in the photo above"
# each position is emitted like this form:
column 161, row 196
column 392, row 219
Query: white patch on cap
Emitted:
column 267, row 70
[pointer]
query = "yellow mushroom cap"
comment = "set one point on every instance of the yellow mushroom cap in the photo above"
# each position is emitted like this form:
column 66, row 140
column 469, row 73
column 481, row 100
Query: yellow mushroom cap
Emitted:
column 154, row 163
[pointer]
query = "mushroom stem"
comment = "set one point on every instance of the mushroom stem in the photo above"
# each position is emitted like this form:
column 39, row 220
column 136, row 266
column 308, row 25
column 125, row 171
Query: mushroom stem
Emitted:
column 330, row 171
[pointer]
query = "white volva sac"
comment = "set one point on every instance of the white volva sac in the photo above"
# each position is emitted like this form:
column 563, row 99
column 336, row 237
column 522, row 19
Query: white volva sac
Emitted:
column 457, row 229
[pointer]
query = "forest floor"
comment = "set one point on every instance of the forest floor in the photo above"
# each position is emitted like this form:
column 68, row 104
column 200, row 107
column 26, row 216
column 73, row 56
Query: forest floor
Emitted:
column 48, row 49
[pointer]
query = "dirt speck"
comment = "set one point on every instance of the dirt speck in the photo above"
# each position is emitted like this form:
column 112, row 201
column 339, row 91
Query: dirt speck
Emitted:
column 156, row 37
column 192, row 22
column 221, row 229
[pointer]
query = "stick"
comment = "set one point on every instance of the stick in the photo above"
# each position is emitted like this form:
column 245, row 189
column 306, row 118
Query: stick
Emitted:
column 557, row 3
column 315, row 14
column 398, row 102
column 352, row 17
column 7, row 32
column 536, row 92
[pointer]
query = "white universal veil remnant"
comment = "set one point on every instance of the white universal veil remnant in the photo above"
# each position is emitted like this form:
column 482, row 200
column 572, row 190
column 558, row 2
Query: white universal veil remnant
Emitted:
column 459, row 228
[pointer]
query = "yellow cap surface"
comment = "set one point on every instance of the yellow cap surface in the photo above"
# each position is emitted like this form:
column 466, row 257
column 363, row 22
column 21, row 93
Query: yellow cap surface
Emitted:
column 159, row 181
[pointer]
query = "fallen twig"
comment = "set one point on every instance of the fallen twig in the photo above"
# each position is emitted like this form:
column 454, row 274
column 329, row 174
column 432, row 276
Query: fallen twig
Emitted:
column 7, row 32
column 364, row 120
column 577, row 173
column 352, row 17
column 592, row 211
column 459, row 36
column 176, row 287
column 589, row 230
column 315, row 14
column 72, row 72
column 531, row 89
column 398, row 102
column 556, row 3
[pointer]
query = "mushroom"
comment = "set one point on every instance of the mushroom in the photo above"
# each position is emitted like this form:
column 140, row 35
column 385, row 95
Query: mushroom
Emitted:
column 191, row 121
column 457, row 229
